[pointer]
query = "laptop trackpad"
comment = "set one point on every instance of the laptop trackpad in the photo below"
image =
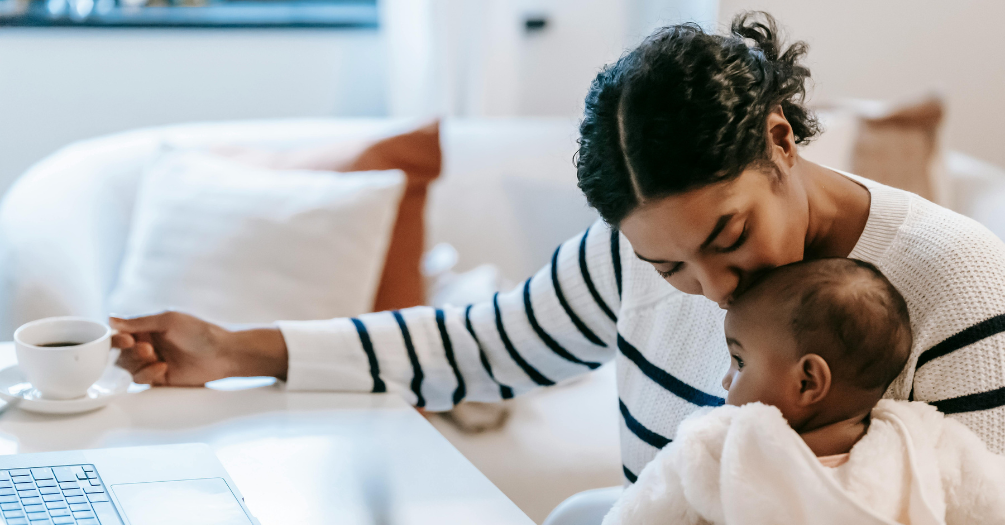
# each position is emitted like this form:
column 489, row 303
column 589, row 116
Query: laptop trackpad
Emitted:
column 193, row 502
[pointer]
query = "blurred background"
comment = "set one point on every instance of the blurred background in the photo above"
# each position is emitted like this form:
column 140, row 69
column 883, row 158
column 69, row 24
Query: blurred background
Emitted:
column 71, row 69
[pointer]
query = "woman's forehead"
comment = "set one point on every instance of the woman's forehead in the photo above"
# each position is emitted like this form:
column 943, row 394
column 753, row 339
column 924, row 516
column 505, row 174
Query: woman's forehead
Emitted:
column 680, row 224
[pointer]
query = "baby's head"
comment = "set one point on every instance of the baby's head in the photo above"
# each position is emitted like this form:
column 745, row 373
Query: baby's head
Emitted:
column 821, row 340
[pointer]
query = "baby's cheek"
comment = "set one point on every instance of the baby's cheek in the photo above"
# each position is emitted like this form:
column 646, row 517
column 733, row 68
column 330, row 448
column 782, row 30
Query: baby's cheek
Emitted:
column 734, row 391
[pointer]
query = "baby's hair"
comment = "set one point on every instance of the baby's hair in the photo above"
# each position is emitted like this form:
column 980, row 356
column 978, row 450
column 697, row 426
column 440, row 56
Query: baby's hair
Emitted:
column 848, row 312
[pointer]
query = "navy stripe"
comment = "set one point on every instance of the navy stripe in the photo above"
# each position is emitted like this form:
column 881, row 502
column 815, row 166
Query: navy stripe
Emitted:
column 532, row 372
column 504, row 391
column 975, row 333
column 589, row 282
column 641, row 431
column 580, row 325
column 551, row 343
column 972, row 402
column 663, row 378
column 448, row 348
column 412, row 358
column 632, row 478
column 616, row 256
column 364, row 339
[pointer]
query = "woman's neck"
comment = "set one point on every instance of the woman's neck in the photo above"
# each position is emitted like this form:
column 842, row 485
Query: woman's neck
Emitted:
column 838, row 211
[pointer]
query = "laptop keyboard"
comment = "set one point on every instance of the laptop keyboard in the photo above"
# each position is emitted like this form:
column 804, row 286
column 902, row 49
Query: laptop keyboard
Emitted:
column 61, row 495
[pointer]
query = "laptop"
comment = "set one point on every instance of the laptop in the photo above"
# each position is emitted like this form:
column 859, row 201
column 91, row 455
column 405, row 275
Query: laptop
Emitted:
column 157, row 485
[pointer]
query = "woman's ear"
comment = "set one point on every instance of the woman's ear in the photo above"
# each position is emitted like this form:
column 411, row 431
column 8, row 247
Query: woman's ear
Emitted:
column 783, row 142
column 815, row 379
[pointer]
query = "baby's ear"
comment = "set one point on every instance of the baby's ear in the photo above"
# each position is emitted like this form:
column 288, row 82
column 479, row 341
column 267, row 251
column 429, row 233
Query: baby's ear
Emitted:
column 815, row 379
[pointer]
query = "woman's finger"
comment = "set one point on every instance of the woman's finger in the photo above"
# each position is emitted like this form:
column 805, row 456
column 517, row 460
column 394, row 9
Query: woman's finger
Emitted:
column 123, row 340
column 133, row 360
column 154, row 374
column 145, row 352
column 150, row 323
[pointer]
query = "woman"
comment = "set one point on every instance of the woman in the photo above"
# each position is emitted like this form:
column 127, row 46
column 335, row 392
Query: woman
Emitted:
column 689, row 153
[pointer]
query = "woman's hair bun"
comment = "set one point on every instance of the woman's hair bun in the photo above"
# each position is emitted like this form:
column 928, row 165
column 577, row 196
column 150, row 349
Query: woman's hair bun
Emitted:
column 785, row 76
column 761, row 29
column 686, row 109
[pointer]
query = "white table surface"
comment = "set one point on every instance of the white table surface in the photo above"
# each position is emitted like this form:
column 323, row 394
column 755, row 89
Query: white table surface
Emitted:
column 299, row 458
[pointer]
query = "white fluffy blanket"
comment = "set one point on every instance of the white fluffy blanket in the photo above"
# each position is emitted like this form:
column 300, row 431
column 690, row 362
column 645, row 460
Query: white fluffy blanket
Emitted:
column 745, row 465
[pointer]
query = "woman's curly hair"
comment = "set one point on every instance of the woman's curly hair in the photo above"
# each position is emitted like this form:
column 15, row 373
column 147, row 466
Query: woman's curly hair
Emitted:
column 687, row 109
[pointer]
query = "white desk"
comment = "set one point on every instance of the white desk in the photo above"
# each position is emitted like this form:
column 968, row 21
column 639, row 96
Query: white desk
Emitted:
column 299, row 458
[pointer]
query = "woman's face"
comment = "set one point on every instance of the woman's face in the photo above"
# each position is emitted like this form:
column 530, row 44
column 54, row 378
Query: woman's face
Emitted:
column 713, row 241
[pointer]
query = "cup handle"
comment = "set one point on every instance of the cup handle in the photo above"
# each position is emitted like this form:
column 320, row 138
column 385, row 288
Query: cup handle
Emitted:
column 113, row 357
column 113, row 353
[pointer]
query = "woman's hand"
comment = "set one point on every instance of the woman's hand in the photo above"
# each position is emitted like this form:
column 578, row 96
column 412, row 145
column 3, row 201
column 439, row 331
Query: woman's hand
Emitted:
column 176, row 349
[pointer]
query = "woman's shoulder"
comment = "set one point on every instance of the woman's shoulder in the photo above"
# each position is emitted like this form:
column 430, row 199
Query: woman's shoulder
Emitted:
column 946, row 239
column 949, row 268
column 944, row 264
column 901, row 222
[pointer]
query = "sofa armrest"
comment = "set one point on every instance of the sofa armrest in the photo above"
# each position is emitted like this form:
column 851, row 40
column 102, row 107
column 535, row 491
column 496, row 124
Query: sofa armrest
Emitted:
column 63, row 227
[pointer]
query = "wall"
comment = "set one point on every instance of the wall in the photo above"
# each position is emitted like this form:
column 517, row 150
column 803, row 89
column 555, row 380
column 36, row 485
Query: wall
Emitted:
column 475, row 58
column 61, row 85
column 558, row 63
column 57, row 86
column 891, row 49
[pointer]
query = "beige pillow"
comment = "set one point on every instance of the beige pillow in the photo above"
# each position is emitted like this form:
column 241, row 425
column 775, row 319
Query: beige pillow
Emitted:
column 896, row 144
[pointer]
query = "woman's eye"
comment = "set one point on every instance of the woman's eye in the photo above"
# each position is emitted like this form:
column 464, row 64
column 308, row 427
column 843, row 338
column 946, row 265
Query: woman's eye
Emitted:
column 737, row 243
column 669, row 273
column 739, row 362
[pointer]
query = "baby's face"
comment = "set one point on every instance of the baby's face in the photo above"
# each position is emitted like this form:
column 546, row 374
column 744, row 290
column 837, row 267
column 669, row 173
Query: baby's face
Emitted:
column 764, row 357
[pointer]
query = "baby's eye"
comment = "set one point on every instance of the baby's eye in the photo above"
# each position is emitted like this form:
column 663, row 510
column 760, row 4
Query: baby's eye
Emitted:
column 739, row 362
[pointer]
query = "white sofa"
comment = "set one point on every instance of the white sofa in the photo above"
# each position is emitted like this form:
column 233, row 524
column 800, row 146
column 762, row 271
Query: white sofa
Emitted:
column 507, row 196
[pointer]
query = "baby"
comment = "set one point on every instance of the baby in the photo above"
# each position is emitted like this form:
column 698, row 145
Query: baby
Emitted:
column 805, row 436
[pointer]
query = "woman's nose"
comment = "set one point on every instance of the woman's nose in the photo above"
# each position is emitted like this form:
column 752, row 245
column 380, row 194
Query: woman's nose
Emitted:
column 719, row 285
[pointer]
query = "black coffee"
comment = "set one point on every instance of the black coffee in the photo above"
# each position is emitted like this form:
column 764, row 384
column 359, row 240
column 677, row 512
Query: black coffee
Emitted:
column 54, row 345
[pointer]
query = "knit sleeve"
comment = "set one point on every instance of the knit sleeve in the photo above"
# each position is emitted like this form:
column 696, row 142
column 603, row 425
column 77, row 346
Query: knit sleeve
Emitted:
column 953, row 274
column 558, row 324
column 964, row 377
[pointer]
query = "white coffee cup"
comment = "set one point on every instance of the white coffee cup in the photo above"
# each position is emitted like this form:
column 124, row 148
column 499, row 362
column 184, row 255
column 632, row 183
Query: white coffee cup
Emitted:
column 68, row 370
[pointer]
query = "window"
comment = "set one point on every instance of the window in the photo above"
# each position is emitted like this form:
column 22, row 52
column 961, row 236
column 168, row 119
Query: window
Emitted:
column 192, row 13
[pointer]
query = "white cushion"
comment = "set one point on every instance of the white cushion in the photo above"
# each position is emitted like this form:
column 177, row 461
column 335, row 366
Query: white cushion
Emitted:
column 508, row 194
column 239, row 244
column 977, row 190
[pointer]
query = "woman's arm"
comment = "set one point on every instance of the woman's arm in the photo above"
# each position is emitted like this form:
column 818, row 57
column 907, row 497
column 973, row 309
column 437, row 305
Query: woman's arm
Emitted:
column 558, row 324
column 967, row 381
column 177, row 349
column 957, row 284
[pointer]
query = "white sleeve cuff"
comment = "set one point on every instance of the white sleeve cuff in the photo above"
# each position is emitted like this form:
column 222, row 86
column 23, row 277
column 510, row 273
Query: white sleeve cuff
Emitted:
column 325, row 355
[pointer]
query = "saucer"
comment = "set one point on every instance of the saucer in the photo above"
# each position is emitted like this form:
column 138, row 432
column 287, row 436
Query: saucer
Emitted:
column 17, row 391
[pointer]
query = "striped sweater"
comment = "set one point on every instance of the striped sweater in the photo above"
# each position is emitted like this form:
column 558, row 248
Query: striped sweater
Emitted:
column 596, row 301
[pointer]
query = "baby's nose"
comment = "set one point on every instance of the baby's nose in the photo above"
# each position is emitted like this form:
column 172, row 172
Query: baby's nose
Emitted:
column 727, row 380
